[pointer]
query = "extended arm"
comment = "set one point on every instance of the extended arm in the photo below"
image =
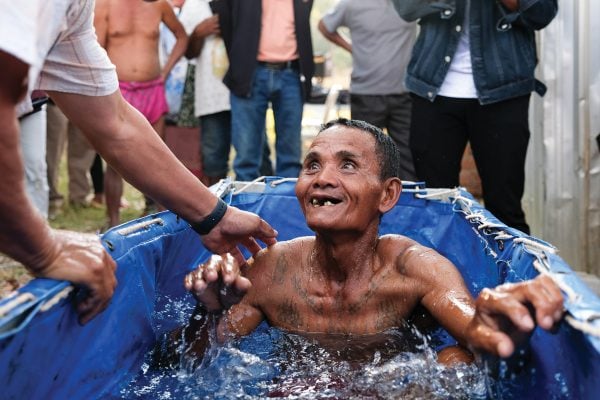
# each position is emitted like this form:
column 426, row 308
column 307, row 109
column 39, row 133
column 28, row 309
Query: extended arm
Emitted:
column 335, row 37
column 24, row 234
column 128, row 143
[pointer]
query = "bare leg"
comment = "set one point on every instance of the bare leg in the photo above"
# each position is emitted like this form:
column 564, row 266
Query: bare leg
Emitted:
column 113, row 190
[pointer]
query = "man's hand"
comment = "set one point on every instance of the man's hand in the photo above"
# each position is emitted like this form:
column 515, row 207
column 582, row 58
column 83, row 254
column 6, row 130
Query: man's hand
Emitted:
column 81, row 259
column 239, row 227
column 512, row 5
column 208, row 27
column 506, row 315
column 217, row 283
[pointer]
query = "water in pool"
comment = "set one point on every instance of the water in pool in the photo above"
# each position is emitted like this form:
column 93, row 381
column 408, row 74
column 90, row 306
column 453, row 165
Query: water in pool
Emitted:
column 273, row 364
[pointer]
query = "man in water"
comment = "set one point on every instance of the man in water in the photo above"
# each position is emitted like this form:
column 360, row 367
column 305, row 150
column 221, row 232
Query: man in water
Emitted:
column 349, row 280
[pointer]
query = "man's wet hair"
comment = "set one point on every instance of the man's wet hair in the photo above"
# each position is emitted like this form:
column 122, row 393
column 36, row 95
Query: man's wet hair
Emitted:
column 385, row 149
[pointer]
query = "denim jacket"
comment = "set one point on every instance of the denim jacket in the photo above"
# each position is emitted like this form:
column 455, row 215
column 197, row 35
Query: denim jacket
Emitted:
column 503, row 49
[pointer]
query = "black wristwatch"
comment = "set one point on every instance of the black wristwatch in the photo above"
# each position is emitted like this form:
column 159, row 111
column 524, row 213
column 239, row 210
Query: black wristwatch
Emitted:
column 208, row 223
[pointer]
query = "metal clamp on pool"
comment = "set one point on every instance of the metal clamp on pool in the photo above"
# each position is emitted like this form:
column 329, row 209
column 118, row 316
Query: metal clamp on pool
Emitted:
column 208, row 223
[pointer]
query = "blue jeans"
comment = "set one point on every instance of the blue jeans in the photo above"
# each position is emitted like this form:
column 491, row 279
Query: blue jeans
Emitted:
column 216, row 143
column 282, row 89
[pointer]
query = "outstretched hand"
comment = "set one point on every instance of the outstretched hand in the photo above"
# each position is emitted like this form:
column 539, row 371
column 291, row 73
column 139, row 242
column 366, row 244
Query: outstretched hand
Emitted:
column 239, row 228
column 81, row 259
column 505, row 316
column 217, row 283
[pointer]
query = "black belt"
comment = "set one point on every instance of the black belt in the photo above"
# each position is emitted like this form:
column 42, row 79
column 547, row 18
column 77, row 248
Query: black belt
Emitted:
column 293, row 64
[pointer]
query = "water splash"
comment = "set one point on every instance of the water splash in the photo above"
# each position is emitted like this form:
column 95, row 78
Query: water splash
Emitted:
column 274, row 364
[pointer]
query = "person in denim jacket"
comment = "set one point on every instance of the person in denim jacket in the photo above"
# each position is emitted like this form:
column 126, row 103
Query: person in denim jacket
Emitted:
column 471, row 75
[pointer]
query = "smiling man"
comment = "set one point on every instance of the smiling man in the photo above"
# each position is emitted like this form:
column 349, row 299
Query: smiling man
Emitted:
column 349, row 280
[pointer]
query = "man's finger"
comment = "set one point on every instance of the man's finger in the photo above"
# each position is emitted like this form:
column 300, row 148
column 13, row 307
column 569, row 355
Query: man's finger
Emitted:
column 252, row 245
column 510, row 307
column 266, row 233
column 239, row 257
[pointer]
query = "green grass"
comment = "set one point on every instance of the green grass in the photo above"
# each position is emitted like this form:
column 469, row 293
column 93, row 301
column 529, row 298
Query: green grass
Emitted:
column 92, row 219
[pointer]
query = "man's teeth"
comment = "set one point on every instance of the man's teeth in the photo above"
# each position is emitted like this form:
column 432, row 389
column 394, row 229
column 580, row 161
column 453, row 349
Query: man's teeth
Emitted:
column 316, row 203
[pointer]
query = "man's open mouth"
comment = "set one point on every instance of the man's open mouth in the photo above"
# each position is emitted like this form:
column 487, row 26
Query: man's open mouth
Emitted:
column 324, row 201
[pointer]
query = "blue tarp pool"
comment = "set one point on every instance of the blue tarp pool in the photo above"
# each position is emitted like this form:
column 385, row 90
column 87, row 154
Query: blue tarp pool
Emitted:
column 46, row 354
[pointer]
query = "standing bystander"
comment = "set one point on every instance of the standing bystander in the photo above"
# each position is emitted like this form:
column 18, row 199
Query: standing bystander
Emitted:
column 471, row 75
column 211, row 96
column 270, row 61
column 381, row 44
column 129, row 31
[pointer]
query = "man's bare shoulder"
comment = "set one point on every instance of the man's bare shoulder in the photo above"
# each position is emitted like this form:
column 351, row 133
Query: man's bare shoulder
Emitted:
column 282, row 252
column 410, row 257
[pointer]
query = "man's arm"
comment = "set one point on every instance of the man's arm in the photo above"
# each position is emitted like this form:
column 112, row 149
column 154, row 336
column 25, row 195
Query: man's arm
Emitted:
column 335, row 37
column 101, row 21
column 171, row 21
column 412, row 10
column 205, row 28
column 24, row 234
column 499, row 319
column 128, row 143
column 224, row 9
column 534, row 14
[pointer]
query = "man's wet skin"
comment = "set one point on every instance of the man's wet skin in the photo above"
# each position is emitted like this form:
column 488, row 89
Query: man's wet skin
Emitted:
column 346, row 280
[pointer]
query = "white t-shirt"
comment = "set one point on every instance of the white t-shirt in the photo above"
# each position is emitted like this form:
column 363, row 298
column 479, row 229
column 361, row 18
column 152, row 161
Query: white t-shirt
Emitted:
column 459, row 82
column 211, row 95
column 58, row 41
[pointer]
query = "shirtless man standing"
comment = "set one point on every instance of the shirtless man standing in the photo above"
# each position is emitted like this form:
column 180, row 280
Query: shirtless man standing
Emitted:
column 349, row 280
column 129, row 31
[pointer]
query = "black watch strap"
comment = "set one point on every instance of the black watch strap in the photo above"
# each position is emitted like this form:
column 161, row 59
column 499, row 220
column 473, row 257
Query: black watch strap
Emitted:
column 208, row 223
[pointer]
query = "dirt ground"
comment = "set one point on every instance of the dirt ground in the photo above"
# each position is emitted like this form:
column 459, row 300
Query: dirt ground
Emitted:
column 12, row 276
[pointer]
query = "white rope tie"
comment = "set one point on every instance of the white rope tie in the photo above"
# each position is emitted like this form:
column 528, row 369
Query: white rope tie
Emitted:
column 247, row 185
column 439, row 194
column 572, row 296
column 584, row 327
column 283, row 180
column 56, row 298
column 128, row 230
column 14, row 303
column 503, row 236
column 532, row 244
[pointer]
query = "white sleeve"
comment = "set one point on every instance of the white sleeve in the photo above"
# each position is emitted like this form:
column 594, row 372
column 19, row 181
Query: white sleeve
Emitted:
column 335, row 17
column 192, row 13
column 17, row 29
column 77, row 63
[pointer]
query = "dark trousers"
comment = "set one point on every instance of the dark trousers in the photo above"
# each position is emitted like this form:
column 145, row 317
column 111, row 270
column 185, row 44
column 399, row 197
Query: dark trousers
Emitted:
column 499, row 135
column 390, row 112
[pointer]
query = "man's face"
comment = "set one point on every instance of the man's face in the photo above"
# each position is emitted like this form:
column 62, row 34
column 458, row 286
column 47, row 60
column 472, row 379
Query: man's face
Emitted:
column 339, row 188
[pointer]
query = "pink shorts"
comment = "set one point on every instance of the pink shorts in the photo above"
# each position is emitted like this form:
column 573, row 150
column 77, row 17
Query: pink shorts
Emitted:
column 147, row 97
